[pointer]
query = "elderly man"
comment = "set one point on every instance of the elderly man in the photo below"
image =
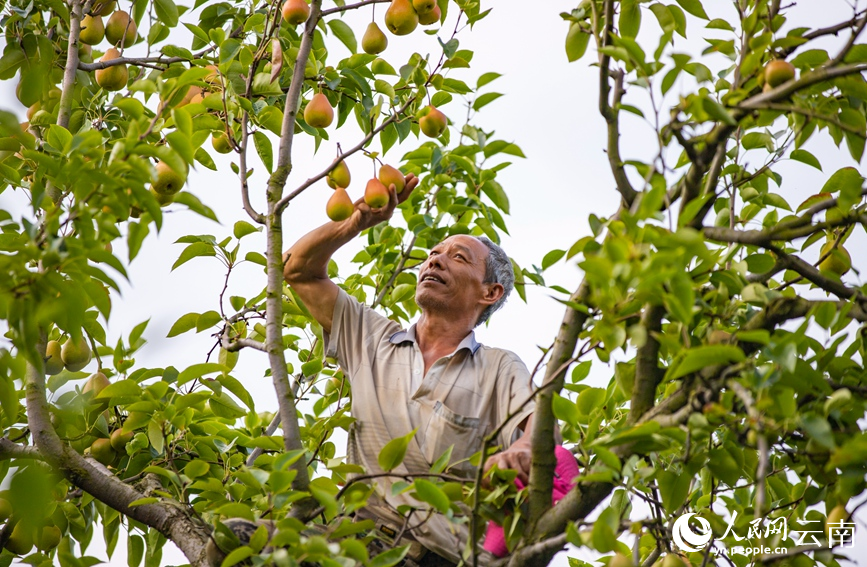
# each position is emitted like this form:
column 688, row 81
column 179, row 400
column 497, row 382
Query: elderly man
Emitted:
column 432, row 378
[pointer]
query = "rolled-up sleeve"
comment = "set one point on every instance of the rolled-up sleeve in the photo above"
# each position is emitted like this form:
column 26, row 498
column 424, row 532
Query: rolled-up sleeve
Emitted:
column 356, row 331
column 514, row 395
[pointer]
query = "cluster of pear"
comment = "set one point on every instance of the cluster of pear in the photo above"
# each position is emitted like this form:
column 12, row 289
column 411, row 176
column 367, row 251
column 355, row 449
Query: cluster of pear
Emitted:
column 73, row 355
column 401, row 18
column 106, row 450
column 119, row 30
column 45, row 536
column 376, row 192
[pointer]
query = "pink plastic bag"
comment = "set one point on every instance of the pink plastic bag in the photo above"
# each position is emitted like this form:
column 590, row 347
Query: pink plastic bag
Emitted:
column 564, row 480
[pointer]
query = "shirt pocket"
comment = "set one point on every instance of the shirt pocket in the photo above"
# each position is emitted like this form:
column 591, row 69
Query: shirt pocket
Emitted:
column 448, row 429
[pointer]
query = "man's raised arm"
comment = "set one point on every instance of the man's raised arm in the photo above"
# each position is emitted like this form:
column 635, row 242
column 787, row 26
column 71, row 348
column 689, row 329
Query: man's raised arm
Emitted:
column 305, row 264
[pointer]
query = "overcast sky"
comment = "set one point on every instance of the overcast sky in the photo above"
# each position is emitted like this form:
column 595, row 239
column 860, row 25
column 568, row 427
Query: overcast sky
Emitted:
column 549, row 109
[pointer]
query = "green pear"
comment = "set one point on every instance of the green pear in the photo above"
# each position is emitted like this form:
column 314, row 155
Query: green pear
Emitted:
column 339, row 206
column 373, row 41
column 103, row 7
column 101, row 451
column 75, row 354
column 221, row 143
column 424, row 6
column 112, row 78
column 295, row 12
column 431, row 17
column 168, row 180
column 376, row 194
column 400, row 18
column 339, row 176
column 392, row 176
column 318, row 112
column 120, row 27
column 92, row 30
column 53, row 361
column 433, row 123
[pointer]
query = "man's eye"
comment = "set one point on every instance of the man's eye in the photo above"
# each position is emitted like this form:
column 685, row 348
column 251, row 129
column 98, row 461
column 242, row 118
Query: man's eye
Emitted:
column 460, row 256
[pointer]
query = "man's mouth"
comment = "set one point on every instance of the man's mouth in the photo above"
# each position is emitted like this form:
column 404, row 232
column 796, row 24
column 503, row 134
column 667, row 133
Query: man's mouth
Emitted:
column 431, row 278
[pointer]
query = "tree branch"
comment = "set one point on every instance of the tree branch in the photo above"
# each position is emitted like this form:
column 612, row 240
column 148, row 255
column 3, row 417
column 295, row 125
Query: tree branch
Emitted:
column 67, row 92
column 189, row 534
column 11, row 450
column 362, row 4
column 648, row 374
column 610, row 111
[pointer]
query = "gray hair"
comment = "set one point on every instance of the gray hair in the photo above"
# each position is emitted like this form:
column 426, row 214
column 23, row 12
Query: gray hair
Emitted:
column 498, row 269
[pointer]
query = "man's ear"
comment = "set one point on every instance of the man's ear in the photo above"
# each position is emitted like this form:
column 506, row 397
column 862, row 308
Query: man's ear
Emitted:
column 493, row 293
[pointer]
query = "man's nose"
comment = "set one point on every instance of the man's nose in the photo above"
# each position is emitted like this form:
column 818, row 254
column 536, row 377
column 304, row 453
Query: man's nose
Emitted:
column 436, row 261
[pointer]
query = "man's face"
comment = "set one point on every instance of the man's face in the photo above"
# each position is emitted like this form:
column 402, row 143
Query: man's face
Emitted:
column 452, row 278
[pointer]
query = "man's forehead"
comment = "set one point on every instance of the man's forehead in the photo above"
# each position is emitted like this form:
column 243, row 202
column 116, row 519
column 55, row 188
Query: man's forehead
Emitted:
column 464, row 241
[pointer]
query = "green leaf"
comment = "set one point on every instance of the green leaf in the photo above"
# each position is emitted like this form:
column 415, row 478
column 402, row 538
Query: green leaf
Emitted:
column 243, row 228
column 699, row 357
column 576, row 42
column 694, row 7
column 590, row 399
column 487, row 78
column 192, row 251
column 264, row 149
column 121, row 389
column 847, row 181
column 185, row 323
column 673, row 489
column 565, row 410
column 236, row 556
column 167, row 12
column 604, row 537
column 717, row 111
column 485, row 99
column 344, row 34
column 390, row 558
column 804, row 156
column 552, row 258
column 427, row 491
column 394, row 451
column 196, row 467
column 630, row 18
column 134, row 550
column 199, row 370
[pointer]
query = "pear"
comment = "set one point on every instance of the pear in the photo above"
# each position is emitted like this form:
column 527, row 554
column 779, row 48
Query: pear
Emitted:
column 373, row 41
column 221, row 143
column 163, row 200
column 424, row 6
column 20, row 542
column 836, row 515
column 95, row 384
column 339, row 206
column 838, row 261
column 120, row 27
column 119, row 439
column 168, row 180
column 101, row 451
column 431, row 17
column 673, row 560
column 778, row 72
column 112, row 78
column 392, row 176
column 318, row 112
column 92, row 30
column 620, row 560
column 376, row 194
column 295, row 12
column 433, row 123
column 75, row 354
column 103, row 7
column 53, row 362
column 339, row 176
column 400, row 18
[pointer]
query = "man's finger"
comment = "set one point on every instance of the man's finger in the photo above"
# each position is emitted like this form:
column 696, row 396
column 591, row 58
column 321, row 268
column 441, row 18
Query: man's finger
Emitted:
column 411, row 183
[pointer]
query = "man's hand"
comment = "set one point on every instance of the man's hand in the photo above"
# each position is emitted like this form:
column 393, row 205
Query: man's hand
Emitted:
column 364, row 217
column 518, row 457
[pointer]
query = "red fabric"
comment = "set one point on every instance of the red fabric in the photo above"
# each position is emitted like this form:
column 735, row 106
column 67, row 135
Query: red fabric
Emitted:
column 564, row 480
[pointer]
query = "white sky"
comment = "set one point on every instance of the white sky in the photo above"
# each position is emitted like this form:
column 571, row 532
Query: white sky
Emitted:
column 550, row 110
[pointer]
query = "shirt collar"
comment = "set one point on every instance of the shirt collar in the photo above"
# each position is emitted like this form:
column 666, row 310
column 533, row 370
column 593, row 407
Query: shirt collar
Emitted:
column 405, row 335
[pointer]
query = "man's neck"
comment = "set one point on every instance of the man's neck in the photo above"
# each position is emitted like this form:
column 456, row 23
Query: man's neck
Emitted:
column 438, row 336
